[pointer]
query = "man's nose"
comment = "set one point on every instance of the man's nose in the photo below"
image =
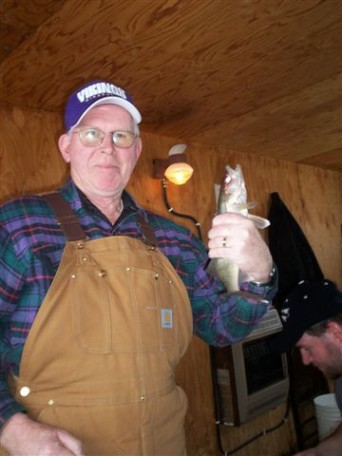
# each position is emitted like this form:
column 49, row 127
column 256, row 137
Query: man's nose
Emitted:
column 107, row 146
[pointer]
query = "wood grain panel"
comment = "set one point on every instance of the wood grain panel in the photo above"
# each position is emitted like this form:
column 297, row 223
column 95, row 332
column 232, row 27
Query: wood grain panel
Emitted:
column 259, row 76
column 290, row 140
column 19, row 20
column 29, row 158
column 29, row 161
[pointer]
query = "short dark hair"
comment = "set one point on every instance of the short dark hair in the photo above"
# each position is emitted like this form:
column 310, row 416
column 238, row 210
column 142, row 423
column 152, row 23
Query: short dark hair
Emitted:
column 320, row 328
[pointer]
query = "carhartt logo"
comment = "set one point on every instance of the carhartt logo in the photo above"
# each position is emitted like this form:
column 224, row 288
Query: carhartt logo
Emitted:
column 166, row 318
column 99, row 90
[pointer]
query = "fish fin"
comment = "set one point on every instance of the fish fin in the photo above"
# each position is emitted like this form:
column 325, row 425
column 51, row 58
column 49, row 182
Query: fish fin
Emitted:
column 259, row 222
column 251, row 204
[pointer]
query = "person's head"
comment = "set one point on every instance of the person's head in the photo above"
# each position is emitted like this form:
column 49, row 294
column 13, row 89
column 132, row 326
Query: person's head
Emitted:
column 101, row 140
column 312, row 320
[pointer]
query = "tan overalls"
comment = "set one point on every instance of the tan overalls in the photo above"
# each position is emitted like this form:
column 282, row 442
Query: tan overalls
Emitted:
column 99, row 360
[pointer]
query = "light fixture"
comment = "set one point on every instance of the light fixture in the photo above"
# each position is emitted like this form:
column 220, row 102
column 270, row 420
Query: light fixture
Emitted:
column 175, row 168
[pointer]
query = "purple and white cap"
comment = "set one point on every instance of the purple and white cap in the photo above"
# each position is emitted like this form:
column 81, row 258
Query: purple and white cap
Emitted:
column 96, row 93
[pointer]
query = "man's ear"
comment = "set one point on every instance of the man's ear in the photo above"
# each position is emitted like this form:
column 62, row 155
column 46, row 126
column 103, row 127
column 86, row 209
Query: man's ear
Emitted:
column 138, row 147
column 335, row 330
column 63, row 145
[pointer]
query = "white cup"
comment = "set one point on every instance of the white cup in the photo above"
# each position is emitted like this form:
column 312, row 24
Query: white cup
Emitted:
column 328, row 415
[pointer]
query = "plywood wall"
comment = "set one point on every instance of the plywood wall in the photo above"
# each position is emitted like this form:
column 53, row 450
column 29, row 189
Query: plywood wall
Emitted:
column 29, row 161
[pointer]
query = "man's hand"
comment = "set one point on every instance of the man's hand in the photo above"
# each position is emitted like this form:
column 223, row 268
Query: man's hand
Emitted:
column 235, row 237
column 22, row 436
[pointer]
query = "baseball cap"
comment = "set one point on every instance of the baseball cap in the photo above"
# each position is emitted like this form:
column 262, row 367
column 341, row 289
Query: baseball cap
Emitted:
column 95, row 93
column 307, row 304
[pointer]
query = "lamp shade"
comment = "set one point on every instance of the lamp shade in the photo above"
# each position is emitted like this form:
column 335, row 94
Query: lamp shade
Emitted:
column 178, row 173
column 175, row 168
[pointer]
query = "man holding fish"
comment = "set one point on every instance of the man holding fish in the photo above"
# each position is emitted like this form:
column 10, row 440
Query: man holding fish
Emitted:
column 99, row 298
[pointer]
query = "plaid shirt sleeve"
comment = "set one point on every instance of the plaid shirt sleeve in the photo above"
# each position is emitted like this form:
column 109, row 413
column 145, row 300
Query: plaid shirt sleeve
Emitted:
column 25, row 276
column 219, row 318
column 10, row 277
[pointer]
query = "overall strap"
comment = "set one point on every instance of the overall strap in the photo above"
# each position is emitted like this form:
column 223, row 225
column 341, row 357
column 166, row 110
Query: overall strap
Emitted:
column 65, row 217
column 71, row 225
column 149, row 236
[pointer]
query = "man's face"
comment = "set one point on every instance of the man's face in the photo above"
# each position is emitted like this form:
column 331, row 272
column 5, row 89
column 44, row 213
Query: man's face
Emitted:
column 104, row 170
column 324, row 352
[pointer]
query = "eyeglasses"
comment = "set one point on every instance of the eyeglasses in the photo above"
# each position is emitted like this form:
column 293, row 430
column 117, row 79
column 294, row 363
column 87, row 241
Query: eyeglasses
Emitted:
column 92, row 137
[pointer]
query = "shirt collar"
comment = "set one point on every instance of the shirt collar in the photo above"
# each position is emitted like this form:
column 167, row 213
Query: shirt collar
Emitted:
column 78, row 200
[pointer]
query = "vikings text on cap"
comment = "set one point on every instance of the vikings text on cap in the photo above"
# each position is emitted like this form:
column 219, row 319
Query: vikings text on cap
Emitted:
column 100, row 88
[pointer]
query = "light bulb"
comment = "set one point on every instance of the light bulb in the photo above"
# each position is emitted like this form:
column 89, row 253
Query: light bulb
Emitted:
column 179, row 173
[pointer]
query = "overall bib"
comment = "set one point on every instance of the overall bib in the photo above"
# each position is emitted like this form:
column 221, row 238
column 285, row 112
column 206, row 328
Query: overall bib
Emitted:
column 100, row 357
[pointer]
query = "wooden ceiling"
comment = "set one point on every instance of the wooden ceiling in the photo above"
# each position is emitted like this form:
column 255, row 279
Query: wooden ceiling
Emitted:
column 258, row 76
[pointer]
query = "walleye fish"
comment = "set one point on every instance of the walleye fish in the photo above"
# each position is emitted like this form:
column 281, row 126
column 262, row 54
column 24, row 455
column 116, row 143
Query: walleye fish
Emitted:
column 233, row 198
